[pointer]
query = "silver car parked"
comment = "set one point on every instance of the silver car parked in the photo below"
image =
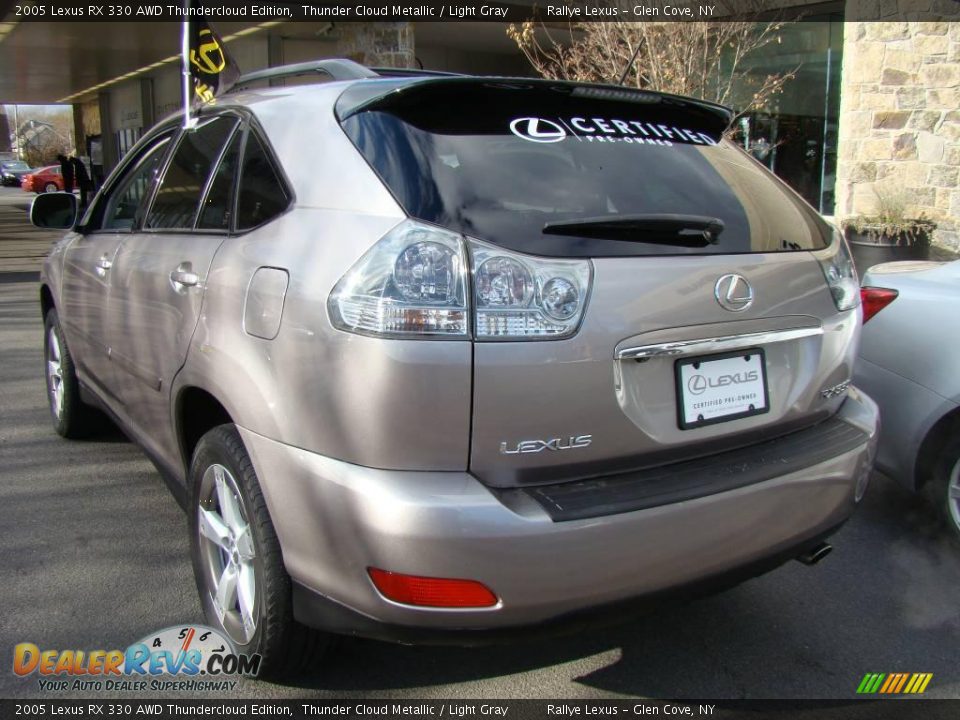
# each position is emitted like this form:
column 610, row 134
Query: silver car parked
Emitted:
column 430, row 357
column 908, row 361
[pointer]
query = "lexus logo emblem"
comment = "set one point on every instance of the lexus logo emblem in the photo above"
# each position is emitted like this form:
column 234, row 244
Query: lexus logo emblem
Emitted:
column 538, row 130
column 697, row 385
column 734, row 293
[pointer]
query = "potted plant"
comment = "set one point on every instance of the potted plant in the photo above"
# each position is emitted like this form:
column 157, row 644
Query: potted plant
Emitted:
column 890, row 234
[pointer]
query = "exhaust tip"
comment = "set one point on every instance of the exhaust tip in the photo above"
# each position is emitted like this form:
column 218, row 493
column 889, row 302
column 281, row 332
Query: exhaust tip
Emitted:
column 815, row 554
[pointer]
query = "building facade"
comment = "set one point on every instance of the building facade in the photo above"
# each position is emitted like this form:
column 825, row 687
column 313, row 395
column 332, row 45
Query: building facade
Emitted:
column 871, row 115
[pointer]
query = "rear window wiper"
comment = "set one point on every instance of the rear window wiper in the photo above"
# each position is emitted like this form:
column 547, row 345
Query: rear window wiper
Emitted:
column 664, row 229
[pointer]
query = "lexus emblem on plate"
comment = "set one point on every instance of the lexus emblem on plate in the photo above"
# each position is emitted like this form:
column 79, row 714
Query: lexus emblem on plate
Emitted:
column 734, row 293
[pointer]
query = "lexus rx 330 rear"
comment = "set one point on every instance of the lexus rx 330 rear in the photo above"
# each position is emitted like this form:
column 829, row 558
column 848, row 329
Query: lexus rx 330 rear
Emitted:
column 452, row 355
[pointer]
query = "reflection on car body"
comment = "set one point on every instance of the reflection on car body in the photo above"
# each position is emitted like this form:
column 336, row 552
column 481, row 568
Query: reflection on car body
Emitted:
column 414, row 374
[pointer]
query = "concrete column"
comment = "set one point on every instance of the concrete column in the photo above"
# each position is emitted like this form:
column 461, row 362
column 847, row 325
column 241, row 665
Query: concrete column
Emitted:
column 110, row 158
column 79, row 134
column 146, row 103
column 274, row 50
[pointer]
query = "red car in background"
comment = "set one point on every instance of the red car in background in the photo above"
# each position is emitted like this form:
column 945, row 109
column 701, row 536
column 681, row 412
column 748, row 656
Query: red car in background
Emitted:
column 44, row 180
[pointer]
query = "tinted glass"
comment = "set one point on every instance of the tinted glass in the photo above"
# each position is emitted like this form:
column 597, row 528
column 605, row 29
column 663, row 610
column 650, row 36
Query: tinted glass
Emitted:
column 125, row 204
column 217, row 206
column 500, row 161
column 262, row 194
column 178, row 196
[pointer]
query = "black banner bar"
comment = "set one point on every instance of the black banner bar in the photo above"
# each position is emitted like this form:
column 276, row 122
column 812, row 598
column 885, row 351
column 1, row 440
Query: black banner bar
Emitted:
column 165, row 709
column 479, row 10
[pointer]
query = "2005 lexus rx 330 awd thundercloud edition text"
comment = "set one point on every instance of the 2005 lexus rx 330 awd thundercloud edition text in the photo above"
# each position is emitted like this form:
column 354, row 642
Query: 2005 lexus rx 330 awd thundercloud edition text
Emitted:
column 425, row 356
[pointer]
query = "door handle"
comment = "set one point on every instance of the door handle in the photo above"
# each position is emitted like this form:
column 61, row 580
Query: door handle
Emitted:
column 103, row 265
column 184, row 276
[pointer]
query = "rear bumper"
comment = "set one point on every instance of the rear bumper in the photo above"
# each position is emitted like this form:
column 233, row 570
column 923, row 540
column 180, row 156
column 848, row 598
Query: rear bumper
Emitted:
column 334, row 520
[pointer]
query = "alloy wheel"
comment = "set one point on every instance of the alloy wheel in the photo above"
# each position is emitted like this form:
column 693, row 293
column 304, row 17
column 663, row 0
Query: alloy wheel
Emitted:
column 228, row 553
column 953, row 494
column 55, row 373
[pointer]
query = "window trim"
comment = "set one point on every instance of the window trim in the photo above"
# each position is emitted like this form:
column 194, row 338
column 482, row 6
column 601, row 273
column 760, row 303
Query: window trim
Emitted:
column 131, row 159
column 248, row 125
column 208, row 117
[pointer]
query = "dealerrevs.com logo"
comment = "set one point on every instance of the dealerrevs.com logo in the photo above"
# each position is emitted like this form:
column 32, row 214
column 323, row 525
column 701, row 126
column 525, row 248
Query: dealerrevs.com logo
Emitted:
column 192, row 657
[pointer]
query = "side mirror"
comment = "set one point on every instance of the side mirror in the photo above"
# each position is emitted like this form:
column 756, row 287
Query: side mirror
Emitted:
column 54, row 211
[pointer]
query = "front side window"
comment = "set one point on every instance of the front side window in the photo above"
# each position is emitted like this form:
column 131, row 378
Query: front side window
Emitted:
column 124, row 205
column 178, row 195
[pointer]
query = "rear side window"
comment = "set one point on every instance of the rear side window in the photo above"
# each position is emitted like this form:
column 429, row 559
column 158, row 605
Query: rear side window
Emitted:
column 262, row 194
column 178, row 195
column 563, row 170
column 218, row 205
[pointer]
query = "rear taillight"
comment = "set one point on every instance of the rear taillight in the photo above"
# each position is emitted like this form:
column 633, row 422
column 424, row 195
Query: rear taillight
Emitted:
column 414, row 283
column 430, row 591
column 521, row 296
column 837, row 265
column 875, row 299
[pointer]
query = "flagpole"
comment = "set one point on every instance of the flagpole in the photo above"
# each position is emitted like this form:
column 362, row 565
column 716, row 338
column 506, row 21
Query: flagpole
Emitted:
column 185, row 52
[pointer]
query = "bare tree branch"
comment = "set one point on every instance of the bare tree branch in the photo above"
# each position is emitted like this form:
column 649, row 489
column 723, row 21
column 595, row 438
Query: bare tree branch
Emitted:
column 705, row 60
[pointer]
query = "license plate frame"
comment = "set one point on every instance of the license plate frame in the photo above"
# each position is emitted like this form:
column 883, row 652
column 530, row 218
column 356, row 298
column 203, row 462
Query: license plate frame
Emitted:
column 684, row 371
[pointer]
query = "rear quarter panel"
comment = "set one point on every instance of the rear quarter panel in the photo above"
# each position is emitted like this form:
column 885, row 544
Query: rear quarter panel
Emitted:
column 393, row 404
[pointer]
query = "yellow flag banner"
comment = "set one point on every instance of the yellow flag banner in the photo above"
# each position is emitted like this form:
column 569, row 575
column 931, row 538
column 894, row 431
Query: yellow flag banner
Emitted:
column 212, row 70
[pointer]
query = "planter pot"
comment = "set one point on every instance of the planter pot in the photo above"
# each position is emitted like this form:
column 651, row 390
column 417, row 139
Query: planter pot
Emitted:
column 870, row 247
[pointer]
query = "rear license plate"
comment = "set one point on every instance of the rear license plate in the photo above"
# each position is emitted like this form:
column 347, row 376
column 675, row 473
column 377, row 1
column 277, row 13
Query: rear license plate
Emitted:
column 719, row 388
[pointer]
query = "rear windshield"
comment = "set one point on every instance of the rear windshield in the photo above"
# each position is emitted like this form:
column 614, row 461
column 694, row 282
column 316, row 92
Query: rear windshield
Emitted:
column 544, row 168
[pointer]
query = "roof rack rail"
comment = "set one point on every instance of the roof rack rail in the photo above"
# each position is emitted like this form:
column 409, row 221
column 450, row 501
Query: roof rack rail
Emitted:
column 412, row 72
column 335, row 68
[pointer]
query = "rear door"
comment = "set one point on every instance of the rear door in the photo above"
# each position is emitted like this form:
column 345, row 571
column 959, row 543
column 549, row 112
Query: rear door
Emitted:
column 707, row 322
column 159, row 273
column 89, row 260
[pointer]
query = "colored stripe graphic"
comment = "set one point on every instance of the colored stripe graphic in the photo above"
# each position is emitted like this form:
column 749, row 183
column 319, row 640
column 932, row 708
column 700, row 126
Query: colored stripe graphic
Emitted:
column 894, row 683
column 871, row 683
column 891, row 681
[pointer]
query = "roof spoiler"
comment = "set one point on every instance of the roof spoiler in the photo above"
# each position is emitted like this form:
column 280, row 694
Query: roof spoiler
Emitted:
column 334, row 69
column 338, row 69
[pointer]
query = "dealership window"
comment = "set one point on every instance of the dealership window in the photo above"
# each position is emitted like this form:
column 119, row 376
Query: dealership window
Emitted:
column 126, row 139
column 797, row 136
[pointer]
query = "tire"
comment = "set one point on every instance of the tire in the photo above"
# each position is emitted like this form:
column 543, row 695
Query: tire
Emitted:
column 71, row 417
column 50, row 187
column 237, row 558
column 944, row 487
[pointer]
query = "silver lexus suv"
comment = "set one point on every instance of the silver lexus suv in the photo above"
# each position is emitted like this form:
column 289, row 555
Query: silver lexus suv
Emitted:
column 434, row 358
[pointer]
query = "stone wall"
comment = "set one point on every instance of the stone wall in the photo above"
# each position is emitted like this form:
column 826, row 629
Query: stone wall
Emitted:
column 381, row 44
column 899, row 134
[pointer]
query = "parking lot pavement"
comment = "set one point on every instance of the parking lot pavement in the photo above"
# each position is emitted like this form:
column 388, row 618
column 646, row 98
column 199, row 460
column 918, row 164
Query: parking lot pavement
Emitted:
column 22, row 246
column 93, row 555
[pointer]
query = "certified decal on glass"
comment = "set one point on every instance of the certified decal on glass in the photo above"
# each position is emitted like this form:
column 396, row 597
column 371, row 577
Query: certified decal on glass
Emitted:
column 599, row 129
